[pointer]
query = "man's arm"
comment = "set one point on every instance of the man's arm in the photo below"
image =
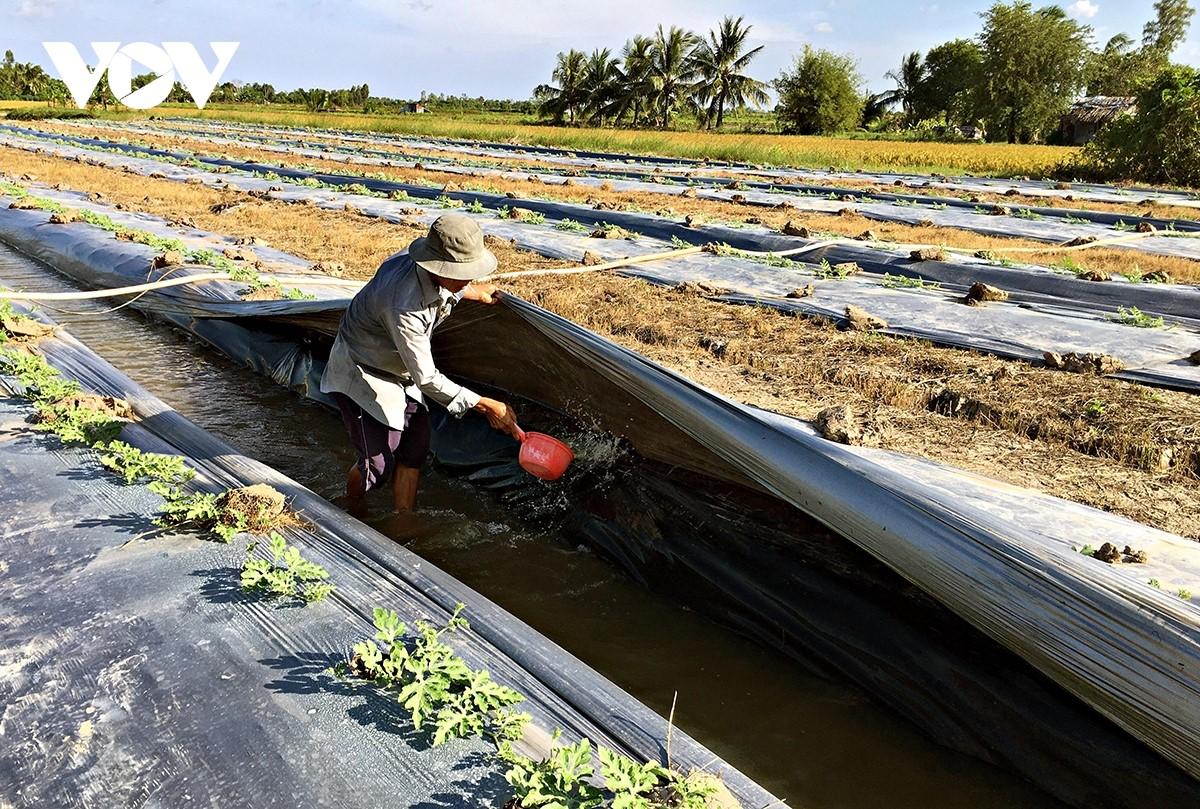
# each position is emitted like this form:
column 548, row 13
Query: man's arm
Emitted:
column 412, row 343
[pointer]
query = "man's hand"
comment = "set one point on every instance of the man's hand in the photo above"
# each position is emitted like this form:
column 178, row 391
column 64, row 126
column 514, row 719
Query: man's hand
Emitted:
column 483, row 293
column 500, row 416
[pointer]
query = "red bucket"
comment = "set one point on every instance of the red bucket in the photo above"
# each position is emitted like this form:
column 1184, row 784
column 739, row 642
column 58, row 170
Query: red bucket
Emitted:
column 544, row 456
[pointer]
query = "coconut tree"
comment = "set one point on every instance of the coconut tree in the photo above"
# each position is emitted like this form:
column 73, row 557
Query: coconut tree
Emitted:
column 601, row 78
column 721, row 62
column 31, row 80
column 634, row 88
column 671, row 71
column 567, row 95
column 908, row 78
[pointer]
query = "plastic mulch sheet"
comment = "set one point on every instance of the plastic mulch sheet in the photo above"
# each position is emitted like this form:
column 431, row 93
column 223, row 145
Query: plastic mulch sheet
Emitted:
column 134, row 671
column 1128, row 650
column 1037, row 321
column 1040, row 224
column 1097, row 192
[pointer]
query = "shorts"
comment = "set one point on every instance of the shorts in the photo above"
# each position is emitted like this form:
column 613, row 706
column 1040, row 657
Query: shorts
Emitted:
column 381, row 448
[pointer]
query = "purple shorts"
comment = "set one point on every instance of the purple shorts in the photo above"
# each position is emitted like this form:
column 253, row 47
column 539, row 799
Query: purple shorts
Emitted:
column 380, row 448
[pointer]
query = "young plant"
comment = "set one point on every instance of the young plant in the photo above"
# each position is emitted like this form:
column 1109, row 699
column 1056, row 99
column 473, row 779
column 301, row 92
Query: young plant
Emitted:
column 1094, row 408
column 434, row 684
column 76, row 423
column 1137, row 318
column 475, row 207
column 561, row 780
column 41, row 382
column 904, row 282
column 570, row 225
column 286, row 574
column 834, row 272
column 164, row 473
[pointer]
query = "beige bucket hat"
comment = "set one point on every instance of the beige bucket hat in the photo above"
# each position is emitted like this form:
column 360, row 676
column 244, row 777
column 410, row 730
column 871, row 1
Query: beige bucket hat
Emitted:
column 453, row 249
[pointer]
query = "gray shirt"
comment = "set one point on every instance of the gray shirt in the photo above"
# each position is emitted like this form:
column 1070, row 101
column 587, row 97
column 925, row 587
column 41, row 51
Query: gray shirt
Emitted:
column 381, row 356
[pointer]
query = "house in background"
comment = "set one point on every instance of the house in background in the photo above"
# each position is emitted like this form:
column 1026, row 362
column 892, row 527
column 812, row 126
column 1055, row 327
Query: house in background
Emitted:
column 414, row 106
column 1088, row 115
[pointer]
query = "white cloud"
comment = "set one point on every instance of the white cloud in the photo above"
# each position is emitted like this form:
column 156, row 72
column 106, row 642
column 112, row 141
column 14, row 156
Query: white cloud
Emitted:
column 823, row 28
column 37, row 8
column 1083, row 8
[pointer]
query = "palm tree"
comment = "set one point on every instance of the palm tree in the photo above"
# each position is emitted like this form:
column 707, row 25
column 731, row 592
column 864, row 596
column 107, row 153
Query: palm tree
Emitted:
column 565, row 99
column 721, row 64
column 875, row 106
column 671, row 71
column 908, row 79
column 634, row 88
column 601, row 77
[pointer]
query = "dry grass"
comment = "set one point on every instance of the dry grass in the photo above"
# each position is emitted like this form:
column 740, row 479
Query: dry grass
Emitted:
column 1133, row 207
column 1114, row 261
column 786, row 150
column 1113, row 445
column 1024, row 425
column 309, row 232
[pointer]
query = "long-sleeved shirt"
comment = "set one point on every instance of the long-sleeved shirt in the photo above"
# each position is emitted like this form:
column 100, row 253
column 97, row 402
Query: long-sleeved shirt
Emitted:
column 382, row 355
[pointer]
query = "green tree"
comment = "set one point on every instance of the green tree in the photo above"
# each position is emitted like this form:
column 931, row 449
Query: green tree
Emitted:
column 1158, row 144
column 819, row 94
column 1117, row 70
column 568, row 95
column 908, row 78
column 1162, row 35
column 721, row 62
column 1035, row 63
column 635, row 88
column 671, row 71
column 950, row 87
column 601, row 78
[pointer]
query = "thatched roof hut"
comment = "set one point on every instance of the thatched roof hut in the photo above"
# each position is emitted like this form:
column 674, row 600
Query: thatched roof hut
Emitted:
column 1086, row 116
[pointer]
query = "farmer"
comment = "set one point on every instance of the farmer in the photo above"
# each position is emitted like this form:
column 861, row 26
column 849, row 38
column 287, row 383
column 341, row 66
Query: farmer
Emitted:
column 381, row 367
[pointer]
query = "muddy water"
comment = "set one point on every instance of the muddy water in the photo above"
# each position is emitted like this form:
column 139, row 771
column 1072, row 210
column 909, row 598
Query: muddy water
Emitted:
column 813, row 742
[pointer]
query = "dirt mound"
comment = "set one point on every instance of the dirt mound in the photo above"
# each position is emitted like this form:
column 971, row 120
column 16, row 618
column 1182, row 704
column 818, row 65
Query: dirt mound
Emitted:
column 20, row 329
column 928, row 254
column 1099, row 364
column 108, row 405
column 258, row 508
column 859, row 319
column 840, row 424
column 981, row 293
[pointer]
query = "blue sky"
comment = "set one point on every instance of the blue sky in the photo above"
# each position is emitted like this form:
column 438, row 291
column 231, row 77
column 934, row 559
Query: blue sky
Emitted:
column 504, row 48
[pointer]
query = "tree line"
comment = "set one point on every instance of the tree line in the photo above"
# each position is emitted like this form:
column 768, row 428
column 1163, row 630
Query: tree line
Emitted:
column 655, row 78
column 1013, row 80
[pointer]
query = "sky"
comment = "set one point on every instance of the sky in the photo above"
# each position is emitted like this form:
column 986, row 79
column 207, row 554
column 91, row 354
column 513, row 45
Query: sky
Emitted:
column 504, row 48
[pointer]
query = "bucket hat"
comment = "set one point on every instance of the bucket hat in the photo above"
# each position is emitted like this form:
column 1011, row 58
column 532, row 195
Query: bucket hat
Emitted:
column 453, row 248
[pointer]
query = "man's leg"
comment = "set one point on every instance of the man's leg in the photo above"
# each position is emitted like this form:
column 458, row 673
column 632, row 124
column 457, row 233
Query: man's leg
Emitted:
column 375, row 445
column 410, row 457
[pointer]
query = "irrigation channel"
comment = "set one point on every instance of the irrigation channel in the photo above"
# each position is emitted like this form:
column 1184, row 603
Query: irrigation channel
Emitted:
column 817, row 741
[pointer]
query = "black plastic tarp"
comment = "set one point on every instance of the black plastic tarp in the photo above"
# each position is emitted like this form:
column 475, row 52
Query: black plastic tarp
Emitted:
column 136, row 673
column 968, row 542
column 1025, row 329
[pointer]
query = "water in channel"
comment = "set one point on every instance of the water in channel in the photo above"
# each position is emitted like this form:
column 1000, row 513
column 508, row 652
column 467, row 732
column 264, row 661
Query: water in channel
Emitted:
column 813, row 742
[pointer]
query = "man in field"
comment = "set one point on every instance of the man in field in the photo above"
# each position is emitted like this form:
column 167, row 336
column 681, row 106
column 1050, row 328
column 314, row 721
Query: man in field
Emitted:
column 381, row 368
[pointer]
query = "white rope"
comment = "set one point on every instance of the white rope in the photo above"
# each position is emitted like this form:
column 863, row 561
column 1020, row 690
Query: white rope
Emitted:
column 112, row 293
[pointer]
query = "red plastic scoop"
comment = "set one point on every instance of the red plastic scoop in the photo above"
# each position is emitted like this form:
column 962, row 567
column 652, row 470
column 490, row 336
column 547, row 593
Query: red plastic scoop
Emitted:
column 544, row 456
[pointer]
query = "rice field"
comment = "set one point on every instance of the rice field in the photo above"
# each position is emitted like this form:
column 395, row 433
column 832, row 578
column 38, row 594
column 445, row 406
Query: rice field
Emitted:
column 999, row 159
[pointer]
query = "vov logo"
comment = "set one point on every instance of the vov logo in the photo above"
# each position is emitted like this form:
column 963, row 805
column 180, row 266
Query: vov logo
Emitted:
column 173, row 59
